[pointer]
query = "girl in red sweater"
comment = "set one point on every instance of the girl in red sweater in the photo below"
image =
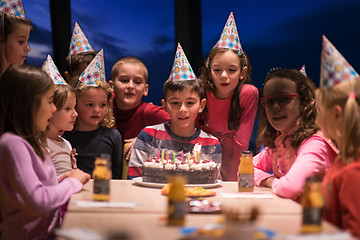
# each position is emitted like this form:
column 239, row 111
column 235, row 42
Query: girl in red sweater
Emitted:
column 339, row 118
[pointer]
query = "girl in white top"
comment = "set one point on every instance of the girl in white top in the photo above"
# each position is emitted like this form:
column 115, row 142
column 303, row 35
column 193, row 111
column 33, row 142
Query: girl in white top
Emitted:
column 63, row 119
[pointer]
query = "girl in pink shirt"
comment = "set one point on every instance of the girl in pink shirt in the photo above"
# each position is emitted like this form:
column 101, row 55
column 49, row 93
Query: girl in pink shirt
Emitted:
column 339, row 118
column 30, row 192
column 231, row 104
column 294, row 148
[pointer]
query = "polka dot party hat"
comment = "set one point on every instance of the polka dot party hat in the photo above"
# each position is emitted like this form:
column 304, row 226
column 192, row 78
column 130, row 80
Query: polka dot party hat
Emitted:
column 181, row 69
column 14, row 7
column 334, row 67
column 229, row 37
column 79, row 42
column 50, row 68
column 94, row 74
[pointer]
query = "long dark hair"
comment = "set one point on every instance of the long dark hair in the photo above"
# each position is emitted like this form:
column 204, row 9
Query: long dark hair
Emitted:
column 307, row 126
column 22, row 87
column 9, row 24
column 209, row 85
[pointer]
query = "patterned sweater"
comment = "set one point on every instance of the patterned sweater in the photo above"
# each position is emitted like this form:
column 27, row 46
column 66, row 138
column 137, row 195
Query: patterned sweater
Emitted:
column 159, row 137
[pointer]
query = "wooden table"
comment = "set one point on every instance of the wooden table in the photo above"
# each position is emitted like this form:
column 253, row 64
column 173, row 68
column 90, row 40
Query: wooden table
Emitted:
column 147, row 220
column 150, row 200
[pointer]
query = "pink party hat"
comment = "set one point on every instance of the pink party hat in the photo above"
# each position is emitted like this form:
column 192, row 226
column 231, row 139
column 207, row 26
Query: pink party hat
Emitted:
column 302, row 70
column 79, row 42
column 94, row 74
column 50, row 68
column 334, row 67
column 181, row 69
column 229, row 37
column 14, row 7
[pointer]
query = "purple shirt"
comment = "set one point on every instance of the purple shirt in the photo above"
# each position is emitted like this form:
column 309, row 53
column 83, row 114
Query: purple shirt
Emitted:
column 30, row 195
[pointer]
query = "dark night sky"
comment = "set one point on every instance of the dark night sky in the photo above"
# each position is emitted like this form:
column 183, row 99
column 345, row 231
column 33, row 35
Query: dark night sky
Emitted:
column 274, row 33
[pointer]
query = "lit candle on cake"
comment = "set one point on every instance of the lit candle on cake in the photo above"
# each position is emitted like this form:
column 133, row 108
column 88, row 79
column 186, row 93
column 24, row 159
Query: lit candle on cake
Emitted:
column 162, row 157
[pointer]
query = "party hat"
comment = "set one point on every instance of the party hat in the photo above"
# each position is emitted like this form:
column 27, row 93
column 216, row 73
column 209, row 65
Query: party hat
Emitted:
column 94, row 74
column 79, row 42
column 334, row 67
column 181, row 69
column 302, row 70
column 14, row 7
column 229, row 37
column 50, row 68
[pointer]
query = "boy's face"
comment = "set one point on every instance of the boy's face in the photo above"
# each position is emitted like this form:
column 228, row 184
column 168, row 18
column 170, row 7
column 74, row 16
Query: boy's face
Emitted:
column 183, row 108
column 130, row 86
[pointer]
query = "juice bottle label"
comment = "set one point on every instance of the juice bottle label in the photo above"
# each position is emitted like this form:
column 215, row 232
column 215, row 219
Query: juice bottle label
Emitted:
column 246, row 180
column 101, row 186
column 177, row 210
column 311, row 216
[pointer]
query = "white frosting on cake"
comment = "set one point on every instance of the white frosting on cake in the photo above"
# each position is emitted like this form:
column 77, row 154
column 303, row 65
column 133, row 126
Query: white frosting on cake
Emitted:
column 169, row 166
column 185, row 165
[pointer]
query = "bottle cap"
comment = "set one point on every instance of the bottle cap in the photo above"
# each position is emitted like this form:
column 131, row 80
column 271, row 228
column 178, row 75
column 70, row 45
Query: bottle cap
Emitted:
column 247, row 152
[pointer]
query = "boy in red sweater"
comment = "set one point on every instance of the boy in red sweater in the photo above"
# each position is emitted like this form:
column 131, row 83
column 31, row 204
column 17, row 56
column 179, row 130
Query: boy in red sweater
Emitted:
column 129, row 77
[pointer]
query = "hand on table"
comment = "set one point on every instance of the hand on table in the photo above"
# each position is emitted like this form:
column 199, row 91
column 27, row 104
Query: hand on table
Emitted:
column 268, row 182
column 128, row 146
column 78, row 174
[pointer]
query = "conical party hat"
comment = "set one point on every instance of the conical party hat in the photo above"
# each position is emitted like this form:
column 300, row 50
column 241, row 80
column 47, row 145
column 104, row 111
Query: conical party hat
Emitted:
column 14, row 7
column 79, row 42
column 181, row 69
column 229, row 37
column 334, row 67
column 50, row 68
column 302, row 70
column 94, row 74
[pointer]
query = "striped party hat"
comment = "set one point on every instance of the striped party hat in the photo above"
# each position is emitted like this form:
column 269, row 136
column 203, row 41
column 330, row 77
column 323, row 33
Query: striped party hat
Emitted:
column 302, row 70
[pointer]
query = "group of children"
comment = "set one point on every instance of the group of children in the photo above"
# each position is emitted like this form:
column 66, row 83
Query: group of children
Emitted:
column 46, row 122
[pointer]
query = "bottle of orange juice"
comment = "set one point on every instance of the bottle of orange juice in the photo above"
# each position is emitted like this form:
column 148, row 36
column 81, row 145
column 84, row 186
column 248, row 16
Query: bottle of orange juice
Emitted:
column 246, row 172
column 177, row 204
column 102, row 175
column 312, row 203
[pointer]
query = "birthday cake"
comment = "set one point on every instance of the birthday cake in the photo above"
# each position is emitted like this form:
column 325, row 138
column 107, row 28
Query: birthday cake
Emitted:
column 200, row 172
column 193, row 168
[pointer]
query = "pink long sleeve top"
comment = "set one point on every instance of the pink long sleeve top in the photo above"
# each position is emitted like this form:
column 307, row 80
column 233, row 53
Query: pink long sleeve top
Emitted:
column 30, row 195
column 233, row 142
column 291, row 167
